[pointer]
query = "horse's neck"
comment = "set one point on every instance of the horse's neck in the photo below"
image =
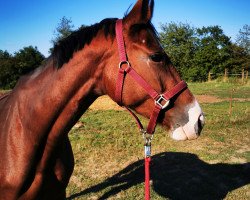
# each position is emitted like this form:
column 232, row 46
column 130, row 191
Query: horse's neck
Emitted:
column 56, row 98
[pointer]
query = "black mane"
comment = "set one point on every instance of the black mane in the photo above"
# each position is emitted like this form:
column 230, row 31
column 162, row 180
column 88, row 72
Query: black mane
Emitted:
column 64, row 49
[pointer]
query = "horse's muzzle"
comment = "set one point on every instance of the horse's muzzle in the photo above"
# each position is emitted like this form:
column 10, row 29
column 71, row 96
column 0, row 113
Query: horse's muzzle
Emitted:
column 192, row 129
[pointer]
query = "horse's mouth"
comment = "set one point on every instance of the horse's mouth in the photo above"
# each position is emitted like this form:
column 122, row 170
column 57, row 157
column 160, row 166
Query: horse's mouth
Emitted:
column 179, row 134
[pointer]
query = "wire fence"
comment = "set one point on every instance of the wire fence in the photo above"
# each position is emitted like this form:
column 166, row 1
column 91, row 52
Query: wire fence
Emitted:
column 244, row 76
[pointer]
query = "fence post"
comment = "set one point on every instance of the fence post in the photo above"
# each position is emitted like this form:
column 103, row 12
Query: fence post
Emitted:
column 209, row 76
column 231, row 102
column 225, row 78
column 242, row 75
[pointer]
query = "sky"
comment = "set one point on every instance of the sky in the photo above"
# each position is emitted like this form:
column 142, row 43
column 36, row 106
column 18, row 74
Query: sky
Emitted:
column 32, row 22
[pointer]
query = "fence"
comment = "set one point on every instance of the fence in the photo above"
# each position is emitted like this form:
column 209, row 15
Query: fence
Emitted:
column 243, row 76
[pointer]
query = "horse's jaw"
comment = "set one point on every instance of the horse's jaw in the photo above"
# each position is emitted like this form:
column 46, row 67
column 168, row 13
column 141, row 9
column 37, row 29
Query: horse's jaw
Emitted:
column 191, row 130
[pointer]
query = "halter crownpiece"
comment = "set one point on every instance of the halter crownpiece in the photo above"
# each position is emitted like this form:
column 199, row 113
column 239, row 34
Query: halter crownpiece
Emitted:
column 161, row 100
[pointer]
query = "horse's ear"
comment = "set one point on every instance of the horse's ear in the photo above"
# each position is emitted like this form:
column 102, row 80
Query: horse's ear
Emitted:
column 142, row 12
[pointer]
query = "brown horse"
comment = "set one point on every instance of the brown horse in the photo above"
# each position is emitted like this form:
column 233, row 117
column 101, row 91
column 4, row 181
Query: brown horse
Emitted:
column 35, row 118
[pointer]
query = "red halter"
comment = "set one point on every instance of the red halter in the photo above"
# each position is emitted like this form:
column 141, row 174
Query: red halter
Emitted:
column 161, row 100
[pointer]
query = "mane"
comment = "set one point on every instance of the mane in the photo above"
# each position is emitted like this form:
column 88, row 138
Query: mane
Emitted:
column 63, row 51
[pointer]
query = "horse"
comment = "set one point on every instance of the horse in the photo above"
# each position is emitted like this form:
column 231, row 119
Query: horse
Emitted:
column 37, row 115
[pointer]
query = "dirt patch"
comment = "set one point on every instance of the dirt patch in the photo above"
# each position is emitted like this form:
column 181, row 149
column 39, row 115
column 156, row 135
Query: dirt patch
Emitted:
column 208, row 99
column 214, row 99
column 105, row 103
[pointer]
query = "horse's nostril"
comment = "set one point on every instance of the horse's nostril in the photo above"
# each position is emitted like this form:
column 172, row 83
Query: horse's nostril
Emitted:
column 201, row 122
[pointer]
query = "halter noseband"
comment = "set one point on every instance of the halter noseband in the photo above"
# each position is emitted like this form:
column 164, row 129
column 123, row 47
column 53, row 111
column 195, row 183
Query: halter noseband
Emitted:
column 161, row 100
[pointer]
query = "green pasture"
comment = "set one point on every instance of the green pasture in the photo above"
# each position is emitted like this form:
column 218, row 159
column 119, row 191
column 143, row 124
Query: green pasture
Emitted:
column 222, row 89
column 109, row 153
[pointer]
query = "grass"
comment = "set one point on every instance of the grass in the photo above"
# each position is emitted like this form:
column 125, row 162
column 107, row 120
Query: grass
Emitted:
column 221, row 89
column 108, row 154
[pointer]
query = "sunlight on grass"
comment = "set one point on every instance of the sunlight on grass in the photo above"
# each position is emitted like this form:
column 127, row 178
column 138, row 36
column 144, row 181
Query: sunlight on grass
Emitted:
column 220, row 89
column 108, row 154
column 105, row 145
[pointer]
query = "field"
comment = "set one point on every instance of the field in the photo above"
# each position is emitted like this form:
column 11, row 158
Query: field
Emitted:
column 109, row 152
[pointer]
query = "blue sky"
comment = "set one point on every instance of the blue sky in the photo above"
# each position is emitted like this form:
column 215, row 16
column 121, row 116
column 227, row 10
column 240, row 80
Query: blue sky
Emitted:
column 32, row 22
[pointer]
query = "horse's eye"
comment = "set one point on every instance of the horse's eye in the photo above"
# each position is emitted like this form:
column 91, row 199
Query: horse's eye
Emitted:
column 158, row 57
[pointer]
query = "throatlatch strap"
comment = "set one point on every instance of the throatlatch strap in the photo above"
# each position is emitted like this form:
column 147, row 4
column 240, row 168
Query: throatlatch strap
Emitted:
column 138, row 122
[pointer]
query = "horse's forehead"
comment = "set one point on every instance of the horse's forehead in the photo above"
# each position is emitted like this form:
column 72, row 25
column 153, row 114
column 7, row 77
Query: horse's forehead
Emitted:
column 146, row 36
column 151, row 39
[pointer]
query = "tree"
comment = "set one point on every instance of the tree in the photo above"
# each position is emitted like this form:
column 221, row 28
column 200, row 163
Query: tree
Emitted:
column 243, row 50
column 27, row 59
column 12, row 67
column 6, row 69
column 179, row 41
column 213, row 51
column 243, row 38
column 238, row 60
column 64, row 29
column 196, row 51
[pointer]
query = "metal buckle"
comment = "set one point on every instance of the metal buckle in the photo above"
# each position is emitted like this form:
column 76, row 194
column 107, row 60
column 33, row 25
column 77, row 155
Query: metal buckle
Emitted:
column 147, row 137
column 147, row 151
column 161, row 99
column 147, row 146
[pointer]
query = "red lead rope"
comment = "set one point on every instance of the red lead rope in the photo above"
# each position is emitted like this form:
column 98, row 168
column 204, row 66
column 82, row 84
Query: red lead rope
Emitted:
column 147, row 149
column 161, row 100
column 147, row 178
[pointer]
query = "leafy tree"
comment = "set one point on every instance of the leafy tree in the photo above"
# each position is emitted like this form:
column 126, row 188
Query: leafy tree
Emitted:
column 179, row 42
column 196, row 51
column 64, row 29
column 243, row 38
column 12, row 67
column 213, row 51
column 27, row 59
column 243, row 50
column 6, row 68
column 238, row 60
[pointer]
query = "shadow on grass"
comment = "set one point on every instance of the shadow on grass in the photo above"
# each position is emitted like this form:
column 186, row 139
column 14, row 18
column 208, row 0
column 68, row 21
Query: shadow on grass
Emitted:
column 177, row 176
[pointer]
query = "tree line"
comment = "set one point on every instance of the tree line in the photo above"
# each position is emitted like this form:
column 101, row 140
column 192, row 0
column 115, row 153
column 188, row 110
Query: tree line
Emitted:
column 14, row 66
column 194, row 51
column 197, row 51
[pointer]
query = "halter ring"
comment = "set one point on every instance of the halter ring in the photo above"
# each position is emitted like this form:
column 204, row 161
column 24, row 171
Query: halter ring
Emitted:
column 124, row 62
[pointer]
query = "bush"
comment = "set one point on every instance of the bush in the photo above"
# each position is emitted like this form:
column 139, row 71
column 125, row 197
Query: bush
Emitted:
column 12, row 67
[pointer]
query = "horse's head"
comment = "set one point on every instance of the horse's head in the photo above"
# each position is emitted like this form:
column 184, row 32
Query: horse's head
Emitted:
column 183, row 117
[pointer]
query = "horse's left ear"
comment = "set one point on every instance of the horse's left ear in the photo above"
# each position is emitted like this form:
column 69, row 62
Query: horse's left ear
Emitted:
column 142, row 12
